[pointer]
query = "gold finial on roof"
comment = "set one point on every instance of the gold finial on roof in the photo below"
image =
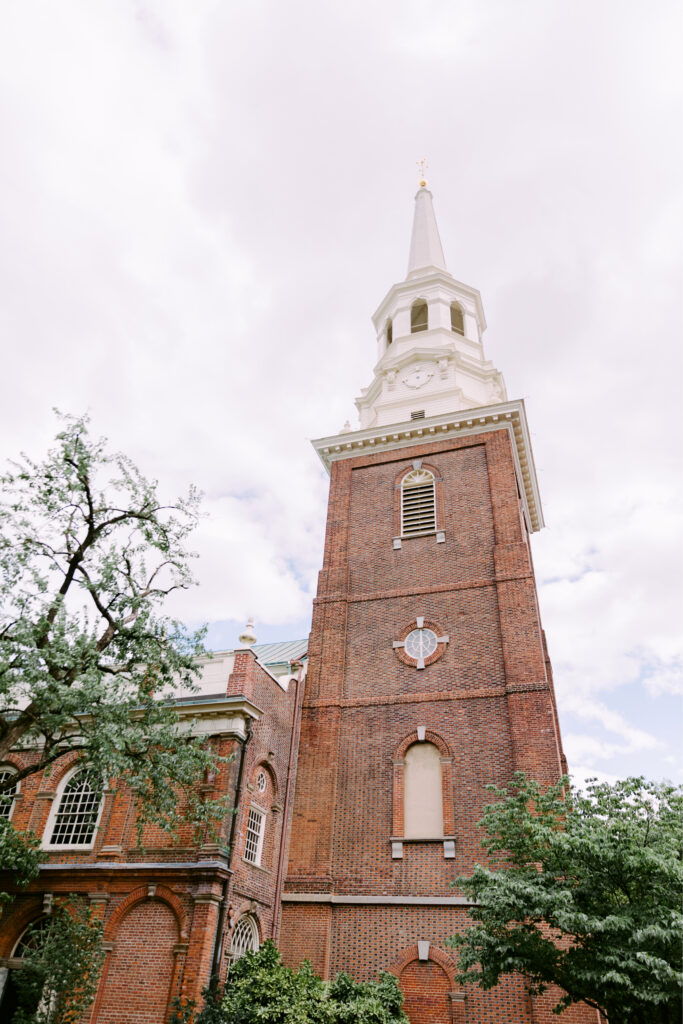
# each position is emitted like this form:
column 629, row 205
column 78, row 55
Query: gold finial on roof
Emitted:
column 423, row 165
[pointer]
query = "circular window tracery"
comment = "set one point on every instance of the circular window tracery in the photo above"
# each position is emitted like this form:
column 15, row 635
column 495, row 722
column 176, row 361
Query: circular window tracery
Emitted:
column 420, row 643
column 423, row 643
column 261, row 782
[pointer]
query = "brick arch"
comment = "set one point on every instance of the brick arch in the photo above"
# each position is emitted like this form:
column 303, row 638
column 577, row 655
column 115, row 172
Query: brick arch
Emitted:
column 439, row 956
column 19, row 918
column 139, row 895
column 398, row 824
column 62, row 767
column 430, row 737
column 427, row 985
column 266, row 767
column 436, row 473
column 240, row 910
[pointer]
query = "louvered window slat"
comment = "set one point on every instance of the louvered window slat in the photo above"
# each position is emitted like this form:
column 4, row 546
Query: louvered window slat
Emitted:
column 418, row 504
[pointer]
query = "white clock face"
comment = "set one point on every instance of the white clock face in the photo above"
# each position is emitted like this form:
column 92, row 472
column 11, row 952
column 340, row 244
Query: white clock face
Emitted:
column 420, row 644
column 417, row 377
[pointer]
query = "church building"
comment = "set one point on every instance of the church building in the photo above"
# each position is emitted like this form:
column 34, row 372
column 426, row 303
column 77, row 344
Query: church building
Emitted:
column 362, row 755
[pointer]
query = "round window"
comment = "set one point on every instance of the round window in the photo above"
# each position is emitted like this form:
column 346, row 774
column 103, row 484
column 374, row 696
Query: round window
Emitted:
column 420, row 644
column 261, row 782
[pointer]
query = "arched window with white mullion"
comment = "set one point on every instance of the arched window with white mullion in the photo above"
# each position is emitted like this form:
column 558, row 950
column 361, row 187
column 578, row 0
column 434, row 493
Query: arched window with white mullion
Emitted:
column 7, row 772
column 244, row 938
column 75, row 812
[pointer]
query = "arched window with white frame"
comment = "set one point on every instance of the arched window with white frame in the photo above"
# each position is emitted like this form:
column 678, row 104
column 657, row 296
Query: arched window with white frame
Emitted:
column 244, row 938
column 9, row 790
column 418, row 503
column 75, row 813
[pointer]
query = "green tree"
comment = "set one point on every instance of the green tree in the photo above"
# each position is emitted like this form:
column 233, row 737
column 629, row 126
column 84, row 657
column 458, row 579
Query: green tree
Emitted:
column 61, row 964
column 260, row 988
column 584, row 892
column 20, row 856
column 89, row 663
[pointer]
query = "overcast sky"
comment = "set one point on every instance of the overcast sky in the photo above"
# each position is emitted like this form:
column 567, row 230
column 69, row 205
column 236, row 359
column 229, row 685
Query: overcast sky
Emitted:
column 201, row 204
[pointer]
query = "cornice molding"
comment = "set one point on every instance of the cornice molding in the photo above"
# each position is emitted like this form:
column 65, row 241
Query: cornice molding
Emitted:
column 377, row 901
column 510, row 416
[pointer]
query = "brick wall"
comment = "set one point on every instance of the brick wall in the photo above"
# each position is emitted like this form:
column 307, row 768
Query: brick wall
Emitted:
column 487, row 703
column 139, row 988
column 160, row 903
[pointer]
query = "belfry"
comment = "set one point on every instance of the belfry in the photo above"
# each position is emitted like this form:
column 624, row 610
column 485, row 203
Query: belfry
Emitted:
column 428, row 672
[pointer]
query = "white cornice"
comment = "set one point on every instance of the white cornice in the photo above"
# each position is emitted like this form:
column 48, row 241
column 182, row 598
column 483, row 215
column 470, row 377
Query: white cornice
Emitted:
column 510, row 416
column 220, row 716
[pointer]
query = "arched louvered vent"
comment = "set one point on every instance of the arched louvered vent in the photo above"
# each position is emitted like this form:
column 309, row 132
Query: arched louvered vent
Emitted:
column 418, row 503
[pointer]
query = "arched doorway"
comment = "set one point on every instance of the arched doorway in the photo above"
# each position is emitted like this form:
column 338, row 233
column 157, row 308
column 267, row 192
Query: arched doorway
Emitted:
column 140, row 972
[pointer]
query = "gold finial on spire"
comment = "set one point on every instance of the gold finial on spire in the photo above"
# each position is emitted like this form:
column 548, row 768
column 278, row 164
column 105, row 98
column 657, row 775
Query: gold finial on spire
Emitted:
column 423, row 165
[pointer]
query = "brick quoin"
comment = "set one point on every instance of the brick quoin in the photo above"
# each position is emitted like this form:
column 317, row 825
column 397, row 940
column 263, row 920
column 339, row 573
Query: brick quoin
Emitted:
column 489, row 698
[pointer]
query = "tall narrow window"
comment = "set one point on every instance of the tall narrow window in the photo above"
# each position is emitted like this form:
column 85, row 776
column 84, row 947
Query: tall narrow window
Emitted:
column 78, row 811
column 255, row 829
column 8, row 795
column 418, row 503
column 457, row 321
column 419, row 320
column 389, row 330
column 423, row 807
column 244, row 938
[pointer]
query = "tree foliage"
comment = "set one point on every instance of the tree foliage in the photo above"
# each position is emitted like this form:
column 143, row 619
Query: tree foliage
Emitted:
column 20, row 855
column 88, row 661
column 61, row 966
column 585, row 893
column 260, row 988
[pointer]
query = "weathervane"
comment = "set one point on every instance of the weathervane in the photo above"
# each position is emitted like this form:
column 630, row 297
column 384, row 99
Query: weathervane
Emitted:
column 423, row 165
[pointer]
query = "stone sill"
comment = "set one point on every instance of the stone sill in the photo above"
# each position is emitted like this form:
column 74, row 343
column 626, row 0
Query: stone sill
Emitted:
column 397, row 843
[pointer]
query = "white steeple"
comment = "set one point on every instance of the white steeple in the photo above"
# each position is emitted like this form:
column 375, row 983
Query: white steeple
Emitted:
column 426, row 250
column 429, row 339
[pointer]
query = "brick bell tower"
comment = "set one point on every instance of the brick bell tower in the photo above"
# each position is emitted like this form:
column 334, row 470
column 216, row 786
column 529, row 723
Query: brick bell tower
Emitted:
column 428, row 673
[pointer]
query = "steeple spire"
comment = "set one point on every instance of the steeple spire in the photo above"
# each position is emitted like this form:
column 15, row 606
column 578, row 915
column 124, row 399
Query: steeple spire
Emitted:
column 429, row 339
column 425, row 244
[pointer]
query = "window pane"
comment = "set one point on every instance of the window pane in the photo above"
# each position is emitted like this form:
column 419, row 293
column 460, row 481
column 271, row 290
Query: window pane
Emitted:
column 7, row 798
column 76, row 819
column 252, row 849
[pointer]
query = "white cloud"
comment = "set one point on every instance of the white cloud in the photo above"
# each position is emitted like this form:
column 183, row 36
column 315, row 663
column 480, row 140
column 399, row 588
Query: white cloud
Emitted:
column 201, row 205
